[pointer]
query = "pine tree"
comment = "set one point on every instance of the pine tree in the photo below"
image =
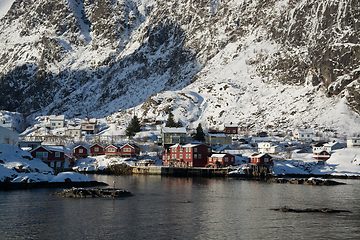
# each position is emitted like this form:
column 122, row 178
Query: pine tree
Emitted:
column 199, row 133
column 170, row 121
column 133, row 127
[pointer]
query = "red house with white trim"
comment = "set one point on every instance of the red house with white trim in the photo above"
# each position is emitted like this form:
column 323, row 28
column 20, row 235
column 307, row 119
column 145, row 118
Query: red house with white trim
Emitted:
column 261, row 159
column 112, row 150
column 230, row 129
column 96, row 149
column 321, row 155
column 53, row 156
column 224, row 159
column 129, row 150
column 80, row 151
column 189, row 155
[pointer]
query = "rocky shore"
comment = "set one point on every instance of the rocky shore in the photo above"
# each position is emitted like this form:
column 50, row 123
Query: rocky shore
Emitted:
column 93, row 193
column 306, row 181
column 321, row 210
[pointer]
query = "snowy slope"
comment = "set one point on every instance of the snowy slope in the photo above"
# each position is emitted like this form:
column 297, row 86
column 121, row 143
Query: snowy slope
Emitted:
column 263, row 65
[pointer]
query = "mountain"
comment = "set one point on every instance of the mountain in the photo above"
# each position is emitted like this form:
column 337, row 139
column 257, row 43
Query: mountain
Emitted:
column 262, row 64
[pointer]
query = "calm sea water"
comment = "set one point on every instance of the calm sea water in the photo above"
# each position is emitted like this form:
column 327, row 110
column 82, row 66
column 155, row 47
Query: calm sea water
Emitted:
column 184, row 208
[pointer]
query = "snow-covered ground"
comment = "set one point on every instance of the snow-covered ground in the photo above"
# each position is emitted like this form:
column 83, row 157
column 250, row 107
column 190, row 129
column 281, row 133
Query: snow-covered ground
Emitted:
column 17, row 165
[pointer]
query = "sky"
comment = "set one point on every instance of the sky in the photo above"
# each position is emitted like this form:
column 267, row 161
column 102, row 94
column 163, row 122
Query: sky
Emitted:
column 5, row 6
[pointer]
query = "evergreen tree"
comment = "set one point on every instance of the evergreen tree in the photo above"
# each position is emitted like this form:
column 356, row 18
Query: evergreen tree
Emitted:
column 170, row 121
column 133, row 127
column 199, row 136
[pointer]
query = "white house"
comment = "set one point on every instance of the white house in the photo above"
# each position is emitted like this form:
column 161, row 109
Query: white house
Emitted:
column 73, row 131
column 57, row 121
column 331, row 146
column 303, row 134
column 353, row 142
column 8, row 137
column 268, row 147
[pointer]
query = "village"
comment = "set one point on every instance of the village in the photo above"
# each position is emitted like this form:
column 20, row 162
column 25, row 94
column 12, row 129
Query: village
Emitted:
column 88, row 144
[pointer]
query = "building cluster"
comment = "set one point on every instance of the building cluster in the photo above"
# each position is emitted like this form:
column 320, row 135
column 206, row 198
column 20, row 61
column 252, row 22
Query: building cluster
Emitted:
column 216, row 150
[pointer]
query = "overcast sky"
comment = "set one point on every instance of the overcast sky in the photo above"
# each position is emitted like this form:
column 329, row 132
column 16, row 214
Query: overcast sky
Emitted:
column 4, row 6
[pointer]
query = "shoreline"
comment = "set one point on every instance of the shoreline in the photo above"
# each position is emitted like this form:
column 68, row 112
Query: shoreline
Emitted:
column 7, row 186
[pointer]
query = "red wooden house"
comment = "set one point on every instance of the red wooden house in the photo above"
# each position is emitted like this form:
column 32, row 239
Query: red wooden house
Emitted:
column 96, row 149
column 224, row 159
column 80, row 152
column 230, row 129
column 129, row 150
column 53, row 156
column 112, row 150
column 189, row 155
column 261, row 159
column 321, row 155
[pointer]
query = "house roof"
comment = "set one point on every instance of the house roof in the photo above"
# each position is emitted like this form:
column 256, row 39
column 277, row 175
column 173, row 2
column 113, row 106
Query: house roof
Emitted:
column 70, row 127
column 96, row 144
column 230, row 125
column 222, row 135
column 89, row 120
column 173, row 130
column 57, row 117
column 258, row 155
column 220, row 155
column 50, row 148
column 304, row 130
column 79, row 146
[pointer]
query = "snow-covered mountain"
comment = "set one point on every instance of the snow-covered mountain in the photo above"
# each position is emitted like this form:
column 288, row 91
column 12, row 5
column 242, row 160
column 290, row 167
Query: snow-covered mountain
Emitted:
column 262, row 64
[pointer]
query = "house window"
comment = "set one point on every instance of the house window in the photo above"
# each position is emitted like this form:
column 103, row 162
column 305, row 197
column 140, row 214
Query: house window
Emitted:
column 234, row 131
column 266, row 160
column 57, row 154
column 209, row 150
column 181, row 149
column 96, row 149
column 232, row 159
column 127, row 150
column 214, row 140
column 45, row 154
column 228, row 131
column 172, row 156
column 53, row 124
column 181, row 156
column 39, row 154
column 195, row 156
column 199, row 156
column 210, row 159
column 182, row 134
column 195, row 149
column 111, row 149
column 226, row 159
column 81, row 150
column 59, row 124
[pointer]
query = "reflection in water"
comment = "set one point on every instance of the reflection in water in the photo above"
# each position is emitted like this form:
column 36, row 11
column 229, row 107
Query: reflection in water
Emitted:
column 183, row 208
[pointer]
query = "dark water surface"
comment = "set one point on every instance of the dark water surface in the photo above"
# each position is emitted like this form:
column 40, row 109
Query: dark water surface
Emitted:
column 184, row 208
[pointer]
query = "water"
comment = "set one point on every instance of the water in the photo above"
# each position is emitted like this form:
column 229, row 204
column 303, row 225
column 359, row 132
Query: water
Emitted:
column 184, row 208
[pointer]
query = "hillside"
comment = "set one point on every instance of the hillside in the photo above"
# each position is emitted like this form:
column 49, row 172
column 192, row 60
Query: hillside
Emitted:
column 262, row 64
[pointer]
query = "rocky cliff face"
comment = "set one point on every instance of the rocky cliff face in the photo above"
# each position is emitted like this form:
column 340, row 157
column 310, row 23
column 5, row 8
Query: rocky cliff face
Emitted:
column 89, row 57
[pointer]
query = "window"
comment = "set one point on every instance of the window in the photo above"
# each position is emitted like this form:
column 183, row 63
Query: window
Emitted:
column 172, row 156
column 234, row 131
column 45, row 154
column 181, row 156
column 226, row 159
column 209, row 150
column 57, row 154
column 81, row 150
column 210, row 159
column 266, row 159
column 228, row 131
column 53, row 124
column 127, row 149
column 111, row 149
column 195, row 156
column 199, row 156
column 59, row 124
column 195, row 149
column 39, row 154
column 181, row 149
column 96, row 149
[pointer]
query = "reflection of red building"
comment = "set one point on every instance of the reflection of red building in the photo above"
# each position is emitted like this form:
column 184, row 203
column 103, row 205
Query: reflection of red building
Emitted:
column 261, row 159
column 321, row 155
column 96, row 149
column 80, row 151
column 189, row 155
column 224, row 159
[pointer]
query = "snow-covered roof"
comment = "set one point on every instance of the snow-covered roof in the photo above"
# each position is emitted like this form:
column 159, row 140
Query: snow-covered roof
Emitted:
column 222, row 135
column 304, row 130
column 218, row 155
column 57, row 117
column 74, row 127
column 230, row 125
column 174, row 130
column 89, row 120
